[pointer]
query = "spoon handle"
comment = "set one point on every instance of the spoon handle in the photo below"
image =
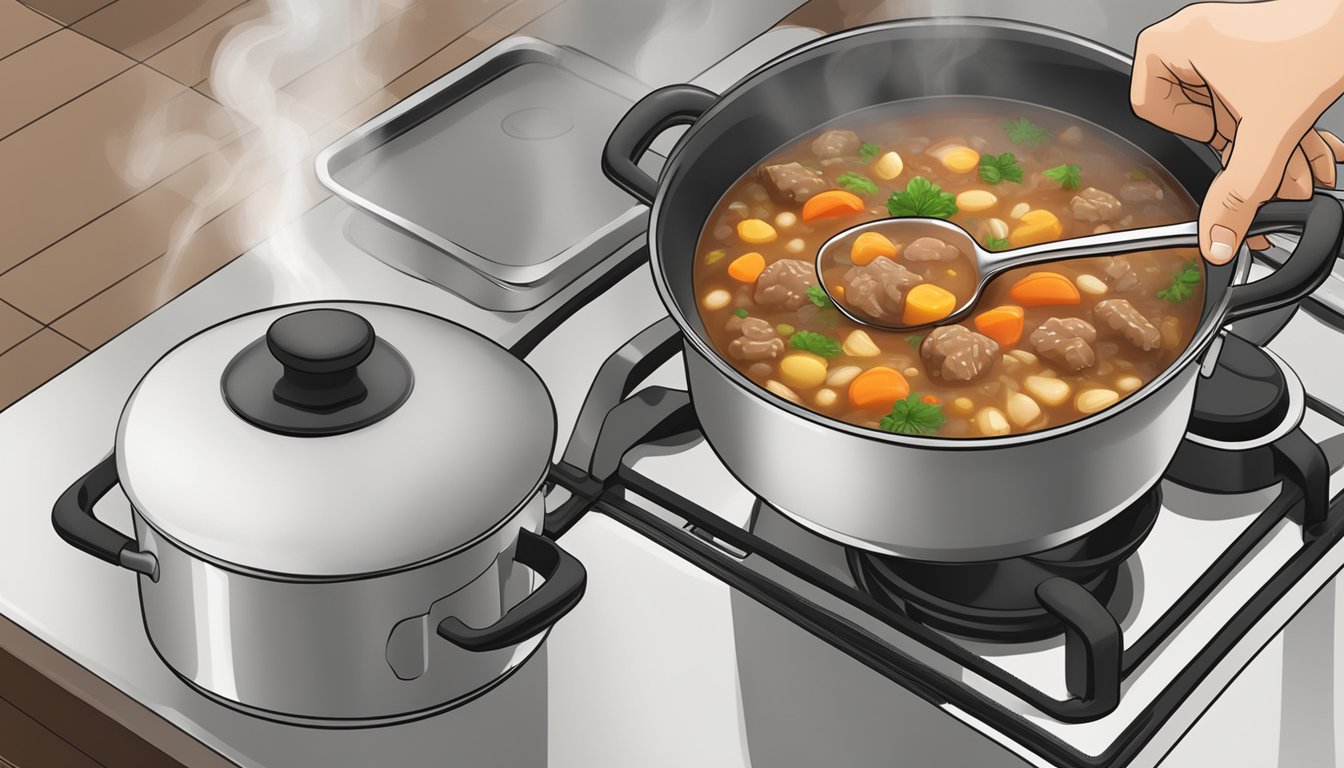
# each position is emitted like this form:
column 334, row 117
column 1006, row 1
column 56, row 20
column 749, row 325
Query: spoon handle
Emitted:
column 1185, row 234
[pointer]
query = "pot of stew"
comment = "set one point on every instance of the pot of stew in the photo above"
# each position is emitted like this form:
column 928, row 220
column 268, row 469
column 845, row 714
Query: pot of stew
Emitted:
column 1059, row 401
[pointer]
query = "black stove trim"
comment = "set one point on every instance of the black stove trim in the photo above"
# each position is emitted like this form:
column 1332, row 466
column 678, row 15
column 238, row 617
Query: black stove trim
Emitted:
column 931, row 685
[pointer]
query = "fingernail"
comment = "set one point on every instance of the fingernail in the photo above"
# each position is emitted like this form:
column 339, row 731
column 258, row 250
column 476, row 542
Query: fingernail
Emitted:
column 1222, row 240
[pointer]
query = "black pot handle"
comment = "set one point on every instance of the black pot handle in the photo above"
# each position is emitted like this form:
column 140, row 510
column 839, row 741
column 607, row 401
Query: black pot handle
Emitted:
column 1322, row 223
column 651, row 115
column 565, row 582
column 73, row 519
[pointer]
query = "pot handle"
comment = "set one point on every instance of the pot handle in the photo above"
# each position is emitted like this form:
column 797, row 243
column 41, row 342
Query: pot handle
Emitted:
column 565, row 582
column 74, row 521
column 651, row 115
column 1322, row 222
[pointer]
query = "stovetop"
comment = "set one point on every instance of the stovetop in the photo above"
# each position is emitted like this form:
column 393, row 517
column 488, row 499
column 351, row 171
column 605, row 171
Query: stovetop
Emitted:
column 664, row 663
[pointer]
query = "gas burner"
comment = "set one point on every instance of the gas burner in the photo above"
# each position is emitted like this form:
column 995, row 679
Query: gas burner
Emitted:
column 1245, row 432
column 997, row 599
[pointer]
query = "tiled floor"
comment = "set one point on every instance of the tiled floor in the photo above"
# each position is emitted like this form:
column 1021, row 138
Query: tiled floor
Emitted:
column 125, row 175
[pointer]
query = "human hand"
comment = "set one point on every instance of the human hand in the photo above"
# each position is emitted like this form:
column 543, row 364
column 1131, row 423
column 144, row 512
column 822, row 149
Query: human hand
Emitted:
column 1251, row 80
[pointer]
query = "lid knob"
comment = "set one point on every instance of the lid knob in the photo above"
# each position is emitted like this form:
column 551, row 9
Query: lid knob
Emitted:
column 321, row 350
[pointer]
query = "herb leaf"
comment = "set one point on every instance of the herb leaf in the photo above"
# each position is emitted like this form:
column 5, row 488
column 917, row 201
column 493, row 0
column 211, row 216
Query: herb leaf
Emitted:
column 1003, row 167
column 922, row 197
column 817, row 295
column 914, row 339
column 816, row 343
column 1183, row 283
column 856, row 183
column 1136, row 175
column 993, row 243
column 868, row 150
column 740, row 312
column 1068, row 175
column 1025, row 133
column 912, row 416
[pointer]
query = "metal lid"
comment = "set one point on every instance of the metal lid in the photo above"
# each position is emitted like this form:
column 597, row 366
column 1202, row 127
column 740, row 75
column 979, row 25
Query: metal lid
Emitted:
column 353, row 440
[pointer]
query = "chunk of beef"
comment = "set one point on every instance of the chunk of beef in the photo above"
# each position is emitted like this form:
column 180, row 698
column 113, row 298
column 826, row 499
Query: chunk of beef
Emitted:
column 1067, row 342
column 930, row 249
column 878, row 288
column 1140, row 192
column 1095, row 205
column 1121, row 274
column 759, row 341
column 785, row 283
column 1122, row 318
column 955, row 353
column 836, row 144
column 792, row 183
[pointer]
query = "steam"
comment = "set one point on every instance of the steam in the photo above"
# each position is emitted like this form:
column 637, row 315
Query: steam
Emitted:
column 267, row 170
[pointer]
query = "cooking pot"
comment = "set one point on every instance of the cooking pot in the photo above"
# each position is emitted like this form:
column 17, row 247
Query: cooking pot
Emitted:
column 930, row 498
column 337, row 513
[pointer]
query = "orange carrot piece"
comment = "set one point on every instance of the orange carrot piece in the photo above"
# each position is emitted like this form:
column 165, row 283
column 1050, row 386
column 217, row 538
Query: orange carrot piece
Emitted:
column 1041, row 289
column 878, row 388
column 1002, row 324
column 832, row 202
column 747, row 267
column 869, row 246
column 927, row 303
column 930, row 400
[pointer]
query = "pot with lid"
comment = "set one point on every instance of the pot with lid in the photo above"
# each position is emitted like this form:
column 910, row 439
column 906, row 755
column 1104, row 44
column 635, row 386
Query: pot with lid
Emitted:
column 337, row 513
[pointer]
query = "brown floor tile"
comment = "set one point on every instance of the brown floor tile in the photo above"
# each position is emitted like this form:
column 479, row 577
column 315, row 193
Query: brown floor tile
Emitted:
column 75, row 164
column 69, row 63
column 214, row 245
column 188, row 60
column 341, row 83
column 96, row 256
column 67, row 11
column 20, row 26
column 15, row 326
column 142, row 28
column 33, row 363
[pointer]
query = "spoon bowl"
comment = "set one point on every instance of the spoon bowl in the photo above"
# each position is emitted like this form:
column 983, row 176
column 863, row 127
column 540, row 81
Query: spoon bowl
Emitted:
column 987, row 265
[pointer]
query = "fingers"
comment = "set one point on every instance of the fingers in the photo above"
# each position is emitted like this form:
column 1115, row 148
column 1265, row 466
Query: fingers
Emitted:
column 1296, row 182
column 1320, row 158
column 1260, row 153
column 1169, row 94
column 1332, row 141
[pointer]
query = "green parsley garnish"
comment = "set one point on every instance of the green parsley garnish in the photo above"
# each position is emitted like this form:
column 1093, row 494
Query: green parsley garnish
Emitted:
column 993, row 243
column 1067, row 175
column 1025, row 133
column 1183, row 283
column 816, row 343
column 1003, row 167
column 817, row 295
column 914, row 339
column 868, row 150
column 1136, row 175
column 740, row 311
column 922, row 197
column 912, row 416
column 856, row 183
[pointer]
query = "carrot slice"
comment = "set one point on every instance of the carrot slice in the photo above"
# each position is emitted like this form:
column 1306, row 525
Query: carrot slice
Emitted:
column 930, row 400
column 878, row 388
column 1044, row 288
column 832, row 202
column 1037, row 226
column 927, row 303
column 1002, row 324
column 869, row 246
column 747, row 267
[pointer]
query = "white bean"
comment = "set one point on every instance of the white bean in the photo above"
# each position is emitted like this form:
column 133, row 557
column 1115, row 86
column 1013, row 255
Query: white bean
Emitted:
column 785, row 220
column 1047, row 390
column 795, row 245
column 888, row 166
column 826, row 397
column 997, row 228
column 843, row 375
column 717, row 299
column 1019, row 211
column 1022, row 410
column 991, row 422
column 782, row 391
column 1091, row 285
column 1093, row 400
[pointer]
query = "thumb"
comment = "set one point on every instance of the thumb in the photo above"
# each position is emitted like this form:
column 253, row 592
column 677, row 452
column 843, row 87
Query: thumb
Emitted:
column 1260, row 152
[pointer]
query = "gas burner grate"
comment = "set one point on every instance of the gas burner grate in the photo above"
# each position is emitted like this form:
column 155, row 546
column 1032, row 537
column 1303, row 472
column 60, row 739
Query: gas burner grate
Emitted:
column 998, row 600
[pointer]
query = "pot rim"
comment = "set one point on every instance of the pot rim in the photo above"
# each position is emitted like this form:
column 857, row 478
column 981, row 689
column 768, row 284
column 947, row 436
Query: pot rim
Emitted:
column 1210, row 322
column 294, row 578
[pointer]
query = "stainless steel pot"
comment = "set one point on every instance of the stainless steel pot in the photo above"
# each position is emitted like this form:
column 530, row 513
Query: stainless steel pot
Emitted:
column 335, row 527
column 925, row 497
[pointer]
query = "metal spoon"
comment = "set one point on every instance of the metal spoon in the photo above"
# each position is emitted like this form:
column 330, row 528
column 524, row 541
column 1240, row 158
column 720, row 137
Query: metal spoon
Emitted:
column 989, row 264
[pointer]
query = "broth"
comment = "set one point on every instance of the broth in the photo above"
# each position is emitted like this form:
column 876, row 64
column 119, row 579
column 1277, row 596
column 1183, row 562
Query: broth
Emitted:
column 1044, row 346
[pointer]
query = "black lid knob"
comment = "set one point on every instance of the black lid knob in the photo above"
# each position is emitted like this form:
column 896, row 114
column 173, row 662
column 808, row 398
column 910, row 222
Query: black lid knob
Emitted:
column 326, row 373
column 320, row 341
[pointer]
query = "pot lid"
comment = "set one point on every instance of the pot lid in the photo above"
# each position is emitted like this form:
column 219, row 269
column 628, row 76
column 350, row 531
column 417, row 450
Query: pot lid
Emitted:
column 334, row 439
